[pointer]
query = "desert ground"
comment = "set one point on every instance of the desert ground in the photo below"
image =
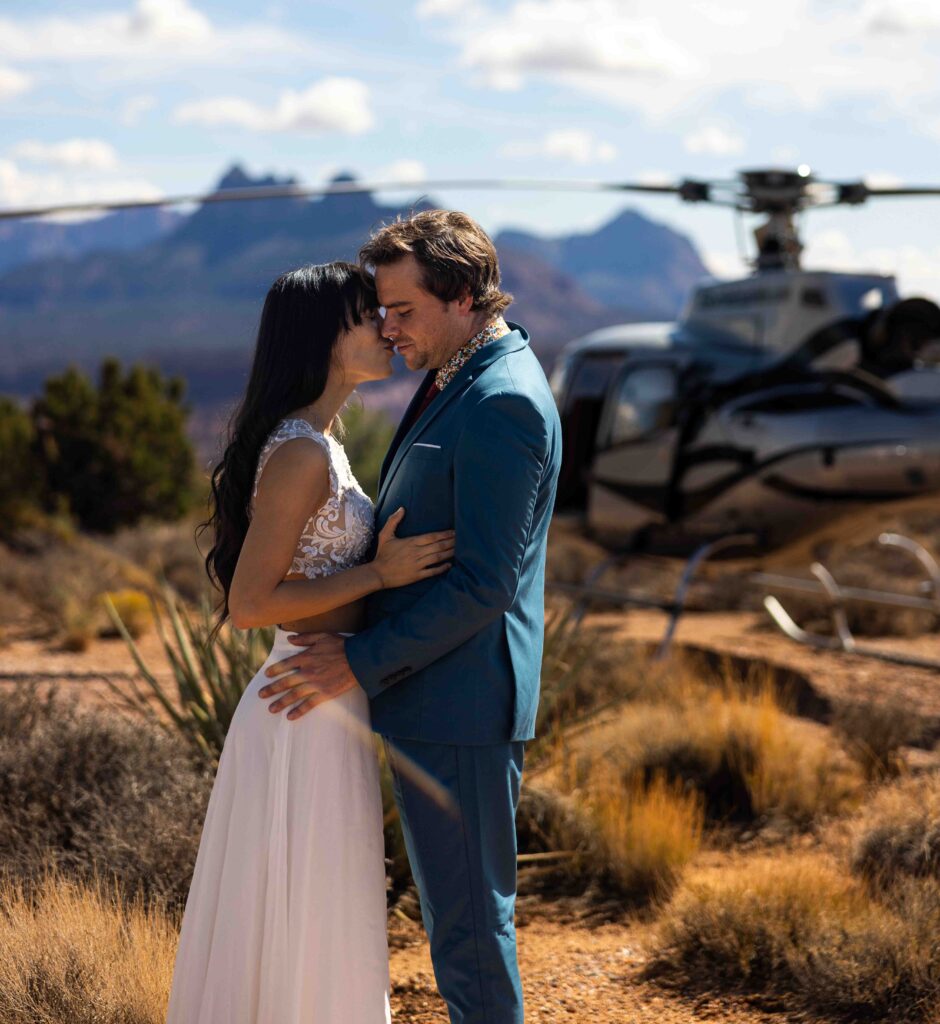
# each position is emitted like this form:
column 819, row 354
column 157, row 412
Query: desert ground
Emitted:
column 578, row 964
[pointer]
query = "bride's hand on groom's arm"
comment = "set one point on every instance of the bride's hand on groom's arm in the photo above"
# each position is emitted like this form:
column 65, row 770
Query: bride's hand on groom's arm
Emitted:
column 403, row 560
column 316, row 674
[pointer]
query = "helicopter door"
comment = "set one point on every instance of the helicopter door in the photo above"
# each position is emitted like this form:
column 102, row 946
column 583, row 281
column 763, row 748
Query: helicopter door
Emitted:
column 582, row 401
column 631, row 481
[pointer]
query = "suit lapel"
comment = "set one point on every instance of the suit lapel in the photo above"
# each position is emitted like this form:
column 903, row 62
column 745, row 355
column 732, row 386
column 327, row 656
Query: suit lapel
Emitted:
column 478, row 362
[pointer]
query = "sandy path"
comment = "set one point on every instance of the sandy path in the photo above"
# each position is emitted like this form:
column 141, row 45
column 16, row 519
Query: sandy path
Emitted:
column 571, row 974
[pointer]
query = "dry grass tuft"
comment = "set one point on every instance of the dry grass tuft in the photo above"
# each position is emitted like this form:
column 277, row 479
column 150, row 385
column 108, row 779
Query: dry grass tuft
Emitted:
column 899, row 835
column 801, row 928
column 623, row 842
column 93, row 793
column 737, row 747
column 873, row 733
column 75, row 954
column 585, row 669
column 165, row 551
column 57, row 577
column 649, row 832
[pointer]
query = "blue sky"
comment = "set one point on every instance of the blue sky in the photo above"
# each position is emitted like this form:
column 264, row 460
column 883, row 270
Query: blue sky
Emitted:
column 144, row 97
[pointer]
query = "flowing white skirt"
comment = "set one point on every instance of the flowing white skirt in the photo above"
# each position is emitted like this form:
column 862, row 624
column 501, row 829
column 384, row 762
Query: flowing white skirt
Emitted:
column 285, row 918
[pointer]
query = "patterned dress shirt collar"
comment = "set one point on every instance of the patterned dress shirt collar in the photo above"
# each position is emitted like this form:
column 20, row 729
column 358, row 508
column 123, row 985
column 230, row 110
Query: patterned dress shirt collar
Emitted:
column 493, row 330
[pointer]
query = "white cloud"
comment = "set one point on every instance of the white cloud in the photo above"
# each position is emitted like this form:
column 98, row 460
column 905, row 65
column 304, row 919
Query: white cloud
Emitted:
column 917, row 268
column 152, row 35
column 724, row 264
column 571, row 144
column 89, row 154
column 785, row 154
column 134, row 107
column 558, row 37
column 332, row 104
column 224, row 110
column 169, row 20
column 901, row 16
column 715, row 140
column 402, row 170
column 13, row 83
column 665, row 58
column 22, row 189
column 655, row 177
column 444, row 8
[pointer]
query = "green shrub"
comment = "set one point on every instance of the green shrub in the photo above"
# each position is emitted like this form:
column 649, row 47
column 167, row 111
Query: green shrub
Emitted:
column 116, row 453
column 20, row 472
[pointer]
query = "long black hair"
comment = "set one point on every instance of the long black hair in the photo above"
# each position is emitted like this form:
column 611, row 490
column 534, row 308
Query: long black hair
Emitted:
column 305, row 312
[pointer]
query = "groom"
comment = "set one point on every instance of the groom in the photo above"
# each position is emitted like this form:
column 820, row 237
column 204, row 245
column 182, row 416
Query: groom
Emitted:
column 451, row 663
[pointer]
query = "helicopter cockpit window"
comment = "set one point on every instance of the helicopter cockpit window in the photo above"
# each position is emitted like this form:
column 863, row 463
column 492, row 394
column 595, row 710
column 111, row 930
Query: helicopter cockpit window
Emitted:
column 646, row 401
column 591, row 376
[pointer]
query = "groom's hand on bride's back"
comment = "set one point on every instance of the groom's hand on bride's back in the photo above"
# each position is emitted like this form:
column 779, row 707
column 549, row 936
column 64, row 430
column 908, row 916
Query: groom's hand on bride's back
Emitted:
column 403, row 560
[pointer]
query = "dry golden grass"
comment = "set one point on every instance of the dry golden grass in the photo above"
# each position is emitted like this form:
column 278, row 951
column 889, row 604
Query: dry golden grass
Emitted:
column 649, row 831
column 799, row 926
column 734, row 744
column 76, row 954
column 622, row 840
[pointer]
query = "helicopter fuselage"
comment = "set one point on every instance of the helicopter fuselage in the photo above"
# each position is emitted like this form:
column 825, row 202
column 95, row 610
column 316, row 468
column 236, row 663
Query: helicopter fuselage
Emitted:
column 722, row 422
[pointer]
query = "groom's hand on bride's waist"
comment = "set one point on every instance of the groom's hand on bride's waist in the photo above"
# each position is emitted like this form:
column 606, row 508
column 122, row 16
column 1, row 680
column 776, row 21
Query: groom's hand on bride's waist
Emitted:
column 316, row 674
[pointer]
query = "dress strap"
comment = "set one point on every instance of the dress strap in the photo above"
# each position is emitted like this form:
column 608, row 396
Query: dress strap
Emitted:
column 287, row 430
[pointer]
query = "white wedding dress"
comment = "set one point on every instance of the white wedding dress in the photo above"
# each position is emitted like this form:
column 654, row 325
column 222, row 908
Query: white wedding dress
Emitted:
column 285, row 920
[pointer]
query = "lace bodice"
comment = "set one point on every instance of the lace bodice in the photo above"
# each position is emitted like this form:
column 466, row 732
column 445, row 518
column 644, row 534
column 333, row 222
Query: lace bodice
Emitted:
column 338, row 533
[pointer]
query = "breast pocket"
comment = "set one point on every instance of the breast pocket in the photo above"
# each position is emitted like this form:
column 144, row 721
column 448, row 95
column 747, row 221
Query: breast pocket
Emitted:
column 423, row 453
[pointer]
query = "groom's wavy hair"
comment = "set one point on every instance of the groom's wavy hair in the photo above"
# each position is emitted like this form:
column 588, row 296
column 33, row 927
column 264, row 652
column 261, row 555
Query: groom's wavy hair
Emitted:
column 455, row 254
column 304, row 313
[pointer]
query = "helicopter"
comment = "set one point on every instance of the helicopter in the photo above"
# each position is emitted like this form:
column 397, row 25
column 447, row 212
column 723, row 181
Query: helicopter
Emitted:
column 775, row 405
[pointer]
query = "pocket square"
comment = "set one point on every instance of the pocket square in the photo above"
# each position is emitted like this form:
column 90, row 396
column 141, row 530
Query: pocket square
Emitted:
column 419, row 444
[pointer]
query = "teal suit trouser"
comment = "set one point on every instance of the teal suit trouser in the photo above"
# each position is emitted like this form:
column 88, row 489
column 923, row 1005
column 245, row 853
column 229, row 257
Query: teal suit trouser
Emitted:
column 458, row 808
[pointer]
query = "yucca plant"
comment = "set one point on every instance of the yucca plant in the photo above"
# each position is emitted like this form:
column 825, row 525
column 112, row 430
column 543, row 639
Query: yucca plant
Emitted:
column 210, row 671
column 565, row 655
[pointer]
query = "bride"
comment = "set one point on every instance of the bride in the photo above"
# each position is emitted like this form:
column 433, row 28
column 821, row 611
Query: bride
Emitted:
column 285, row 918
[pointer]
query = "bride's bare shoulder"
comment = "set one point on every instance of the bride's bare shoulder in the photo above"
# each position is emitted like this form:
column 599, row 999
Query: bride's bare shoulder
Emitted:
column 299, row 468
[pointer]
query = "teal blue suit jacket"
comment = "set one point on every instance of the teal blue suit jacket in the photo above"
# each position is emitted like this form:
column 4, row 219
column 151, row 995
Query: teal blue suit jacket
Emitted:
column 456, row 658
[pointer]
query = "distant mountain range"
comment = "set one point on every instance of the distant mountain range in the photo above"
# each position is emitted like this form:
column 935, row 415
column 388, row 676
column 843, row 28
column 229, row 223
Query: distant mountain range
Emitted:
column 185, row 291
column 32, row 240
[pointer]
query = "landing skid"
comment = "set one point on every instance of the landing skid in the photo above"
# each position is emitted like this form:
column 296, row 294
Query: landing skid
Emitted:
column 824, row 586
column 828, row 587
column 584, row 592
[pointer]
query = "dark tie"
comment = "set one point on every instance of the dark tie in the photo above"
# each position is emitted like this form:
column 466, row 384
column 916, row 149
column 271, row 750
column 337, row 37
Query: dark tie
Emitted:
column 425, row 402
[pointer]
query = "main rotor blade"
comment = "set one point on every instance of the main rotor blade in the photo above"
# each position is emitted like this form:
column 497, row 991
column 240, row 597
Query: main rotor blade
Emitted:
column 337, row 188
column 854, row 193
column 906, row 190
